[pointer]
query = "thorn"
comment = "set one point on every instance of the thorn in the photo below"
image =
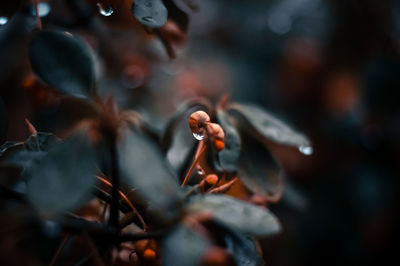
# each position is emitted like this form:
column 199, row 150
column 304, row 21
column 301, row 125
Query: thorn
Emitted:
column 31, row 128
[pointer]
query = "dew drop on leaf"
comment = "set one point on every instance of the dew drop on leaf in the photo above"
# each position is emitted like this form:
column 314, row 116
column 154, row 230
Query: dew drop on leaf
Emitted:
column 105, row 10
column 198, row 136
column 306, row 150
column 3, row 21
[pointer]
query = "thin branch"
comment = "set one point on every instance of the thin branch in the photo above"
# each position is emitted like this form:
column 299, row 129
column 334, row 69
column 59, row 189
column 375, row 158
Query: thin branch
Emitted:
column 225, row 187
column 106, row 182
column 39, row 21
column 114, row 211
column 59, row 250
column 97, row 258
column 200, row 149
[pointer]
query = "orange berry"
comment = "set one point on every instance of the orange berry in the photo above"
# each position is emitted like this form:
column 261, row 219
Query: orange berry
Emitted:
column 149, row 254
column 219, row 145
column 212, row 179
column 217, row 135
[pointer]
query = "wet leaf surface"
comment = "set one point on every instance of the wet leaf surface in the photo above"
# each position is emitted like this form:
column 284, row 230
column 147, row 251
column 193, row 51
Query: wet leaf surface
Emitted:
column 144, row 168
column 183, row 247
column 64, row 178
column 267, row 125
column 63, row 62
column 236, row 214
column 151, row 13
column 241, row 247
column 258, row 170
column 229, row 156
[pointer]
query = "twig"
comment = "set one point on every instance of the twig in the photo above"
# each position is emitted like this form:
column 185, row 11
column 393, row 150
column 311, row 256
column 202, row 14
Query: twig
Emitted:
column 59, row 250
column 200, row 149
column 225, row 187
column 39, row 21
column 97, row 259
column 106, row 182
column 114, row 211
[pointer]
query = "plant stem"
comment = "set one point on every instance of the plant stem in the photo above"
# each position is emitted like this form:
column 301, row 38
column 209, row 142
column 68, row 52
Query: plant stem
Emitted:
column 135, row 211
column 59, row 250
column 114, row 211
column 200, row 149
column 97, row 258
column 223, row 188
column 39, row 21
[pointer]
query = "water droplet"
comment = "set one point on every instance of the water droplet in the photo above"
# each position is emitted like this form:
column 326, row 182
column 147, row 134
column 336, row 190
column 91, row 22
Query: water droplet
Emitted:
column 105, row 10
column 306, row 150
column 43, row 8
column 198, row 136
column 3, row 21
column 200, row 172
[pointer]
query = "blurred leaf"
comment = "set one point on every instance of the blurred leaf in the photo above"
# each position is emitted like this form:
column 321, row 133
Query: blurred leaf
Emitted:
column 183, row 247
column 258, row 170
column 64, row 178
column 177, row 15
column 64, row 62
column 229, row 156
column 242, row 248
column 236, row 214
column 145, row 169
column 267, row 125
column 151, row 13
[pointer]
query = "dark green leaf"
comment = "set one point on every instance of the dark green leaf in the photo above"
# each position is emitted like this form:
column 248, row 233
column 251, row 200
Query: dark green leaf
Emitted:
column 183, row 247
column 243, row 248
column 144, row 168
column 228, row 157
column 64, row 62
column 236, row 214
column 151, row 13
column 64, row 178
column 268, row 126
column 258, row 170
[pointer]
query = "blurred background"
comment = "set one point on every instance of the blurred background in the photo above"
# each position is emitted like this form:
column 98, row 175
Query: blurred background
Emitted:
column 330, row 68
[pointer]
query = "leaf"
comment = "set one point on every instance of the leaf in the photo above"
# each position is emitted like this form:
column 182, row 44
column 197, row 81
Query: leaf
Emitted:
column 258, row 170
column 268, row 126
column 229, row 156
column 236, row 214
column 183, row 247
column 243, row 248
column 144, row 168
column 151, row 13
column 63, row 62
column 64, row 178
